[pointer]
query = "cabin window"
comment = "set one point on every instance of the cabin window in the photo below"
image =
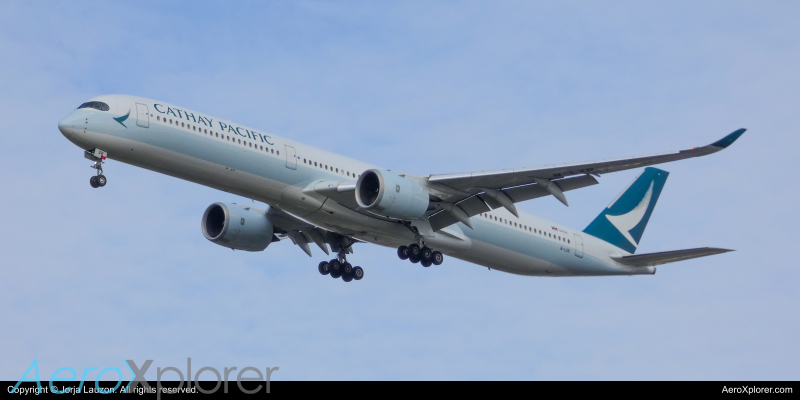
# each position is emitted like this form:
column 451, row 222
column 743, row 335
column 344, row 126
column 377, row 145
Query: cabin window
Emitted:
column 337, row 170
column 158, row 118
column 278, row 153
column 568, row 242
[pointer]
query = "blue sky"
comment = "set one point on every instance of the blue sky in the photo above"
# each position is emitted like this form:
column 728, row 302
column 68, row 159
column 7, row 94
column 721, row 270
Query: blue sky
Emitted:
column 93, row 277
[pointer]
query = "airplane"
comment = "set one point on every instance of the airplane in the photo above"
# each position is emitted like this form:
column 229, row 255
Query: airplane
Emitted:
column 334, row 202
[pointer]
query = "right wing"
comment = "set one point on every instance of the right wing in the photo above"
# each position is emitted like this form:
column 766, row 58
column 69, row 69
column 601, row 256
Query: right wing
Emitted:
column 664, row 257
column 523, row 176
column 466, row 194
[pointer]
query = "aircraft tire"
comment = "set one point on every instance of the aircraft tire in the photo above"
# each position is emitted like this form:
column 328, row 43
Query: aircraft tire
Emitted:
column 402, row 252
column 101, row 180
column 437, row 258
column 93, row 182
column 335, row 265
column 426, row 263
column 358, row 273
column 414, row 250
column 347, row 278
column 426, row 253
column 324, row 268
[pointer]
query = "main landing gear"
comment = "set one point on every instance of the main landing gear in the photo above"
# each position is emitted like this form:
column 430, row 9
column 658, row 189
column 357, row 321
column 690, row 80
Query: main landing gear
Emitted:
column 98, row 156
column 340, row 268
column 420, row 254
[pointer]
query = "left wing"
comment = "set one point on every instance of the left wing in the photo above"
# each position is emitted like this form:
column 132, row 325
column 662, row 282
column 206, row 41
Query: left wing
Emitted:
column 302, row 233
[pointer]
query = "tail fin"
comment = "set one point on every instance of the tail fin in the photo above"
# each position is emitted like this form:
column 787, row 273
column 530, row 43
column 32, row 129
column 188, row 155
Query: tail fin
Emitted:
column 622, row 223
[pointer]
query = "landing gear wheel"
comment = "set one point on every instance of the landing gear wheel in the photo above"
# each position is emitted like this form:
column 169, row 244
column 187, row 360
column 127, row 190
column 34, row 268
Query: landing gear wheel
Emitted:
column 335, row 274
column 358, row 273
column 414, row 250
column 101, row 180
column 93, row 182
column 437, row 258
column 347, row 268
column 324, row 268
column 426, row 253
column 426, row 263
column 347, row 278
column 402, row 252
column 335, row 266
column 413, row 259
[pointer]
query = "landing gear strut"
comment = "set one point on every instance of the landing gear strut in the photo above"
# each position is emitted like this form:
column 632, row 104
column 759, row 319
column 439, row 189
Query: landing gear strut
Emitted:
column 340, row 268
column 420, row 254
column 98, row 156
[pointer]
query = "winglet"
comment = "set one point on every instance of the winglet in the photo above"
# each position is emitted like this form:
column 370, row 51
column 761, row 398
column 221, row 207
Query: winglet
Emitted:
column 728, row 140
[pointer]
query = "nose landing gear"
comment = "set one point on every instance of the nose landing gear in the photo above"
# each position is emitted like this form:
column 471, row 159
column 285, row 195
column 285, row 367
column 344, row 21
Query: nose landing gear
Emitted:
column 423, row 255
column 98, row 156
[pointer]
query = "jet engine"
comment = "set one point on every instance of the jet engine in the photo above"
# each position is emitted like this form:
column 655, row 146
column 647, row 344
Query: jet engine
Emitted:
column 237, row 227
column 390, row 194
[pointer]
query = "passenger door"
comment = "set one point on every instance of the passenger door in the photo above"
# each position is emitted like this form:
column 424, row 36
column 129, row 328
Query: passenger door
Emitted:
column 291, row 157
column 578, row 245
column 142, row 115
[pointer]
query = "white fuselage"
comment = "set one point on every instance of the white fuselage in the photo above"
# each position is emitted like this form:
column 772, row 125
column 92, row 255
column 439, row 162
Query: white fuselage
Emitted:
column 220, row 154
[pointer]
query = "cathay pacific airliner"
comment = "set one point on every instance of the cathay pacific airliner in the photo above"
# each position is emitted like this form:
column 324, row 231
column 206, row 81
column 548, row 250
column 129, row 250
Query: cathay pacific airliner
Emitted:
column 334, row 202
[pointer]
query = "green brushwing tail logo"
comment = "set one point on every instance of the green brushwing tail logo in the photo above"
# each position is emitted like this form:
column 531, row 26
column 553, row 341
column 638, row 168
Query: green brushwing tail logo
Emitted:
column 622, row 223
column 123, row 118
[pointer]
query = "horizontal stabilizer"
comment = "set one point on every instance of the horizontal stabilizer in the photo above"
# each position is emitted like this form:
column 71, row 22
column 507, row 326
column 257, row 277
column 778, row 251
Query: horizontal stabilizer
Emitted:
column 665, row 257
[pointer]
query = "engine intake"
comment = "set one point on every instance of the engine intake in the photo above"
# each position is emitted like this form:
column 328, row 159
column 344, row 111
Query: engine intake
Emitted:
column 237, row 227
column 390, row 194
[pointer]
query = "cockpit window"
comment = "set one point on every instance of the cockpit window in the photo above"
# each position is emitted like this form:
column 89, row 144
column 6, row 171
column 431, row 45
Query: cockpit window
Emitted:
column 97, row 105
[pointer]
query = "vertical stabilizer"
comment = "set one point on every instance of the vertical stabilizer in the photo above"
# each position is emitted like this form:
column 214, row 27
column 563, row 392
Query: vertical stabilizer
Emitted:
column 622, row 223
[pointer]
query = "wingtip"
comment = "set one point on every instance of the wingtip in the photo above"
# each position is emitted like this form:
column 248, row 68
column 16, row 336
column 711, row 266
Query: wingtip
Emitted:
column 728, row 140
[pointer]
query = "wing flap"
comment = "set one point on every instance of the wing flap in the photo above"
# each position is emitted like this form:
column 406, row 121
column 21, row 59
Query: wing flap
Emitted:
column 665, row 257
column 482, row 203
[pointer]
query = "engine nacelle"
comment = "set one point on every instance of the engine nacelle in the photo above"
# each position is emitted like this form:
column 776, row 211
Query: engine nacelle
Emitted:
column 390, row 194
column 237, row 227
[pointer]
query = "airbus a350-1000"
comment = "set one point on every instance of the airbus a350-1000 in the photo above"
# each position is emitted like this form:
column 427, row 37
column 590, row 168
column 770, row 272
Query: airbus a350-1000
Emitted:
column 316, row 197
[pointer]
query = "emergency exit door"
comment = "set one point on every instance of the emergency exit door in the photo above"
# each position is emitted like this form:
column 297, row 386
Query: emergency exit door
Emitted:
column 142, row 115
column 291, row 157
column 578, row 245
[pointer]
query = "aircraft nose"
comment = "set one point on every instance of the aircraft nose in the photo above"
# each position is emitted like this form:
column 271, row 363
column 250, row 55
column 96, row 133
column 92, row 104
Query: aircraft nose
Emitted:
column 69, row 124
